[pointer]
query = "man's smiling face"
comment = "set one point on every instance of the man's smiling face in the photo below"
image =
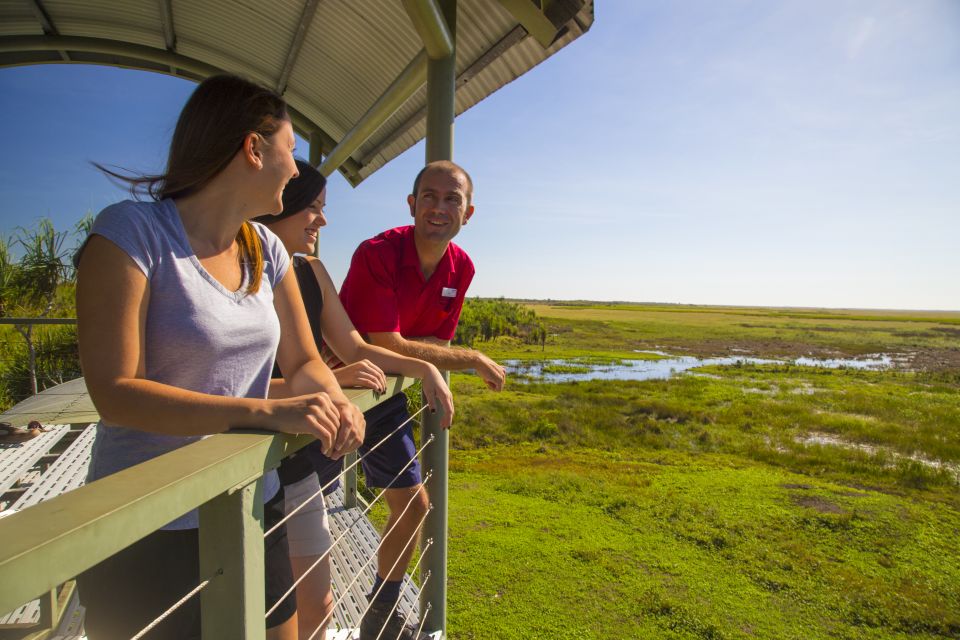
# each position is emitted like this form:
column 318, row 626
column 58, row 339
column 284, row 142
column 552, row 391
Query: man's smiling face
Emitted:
column 441, row 206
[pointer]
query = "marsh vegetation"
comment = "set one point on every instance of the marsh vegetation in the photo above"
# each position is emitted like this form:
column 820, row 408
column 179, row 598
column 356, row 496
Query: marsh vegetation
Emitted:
column 737, row 501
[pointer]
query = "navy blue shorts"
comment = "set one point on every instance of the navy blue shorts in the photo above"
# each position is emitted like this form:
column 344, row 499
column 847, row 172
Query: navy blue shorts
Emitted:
column 387, row 461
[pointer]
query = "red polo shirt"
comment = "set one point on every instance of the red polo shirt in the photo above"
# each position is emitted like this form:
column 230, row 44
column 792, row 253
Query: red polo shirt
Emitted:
column 385, row 291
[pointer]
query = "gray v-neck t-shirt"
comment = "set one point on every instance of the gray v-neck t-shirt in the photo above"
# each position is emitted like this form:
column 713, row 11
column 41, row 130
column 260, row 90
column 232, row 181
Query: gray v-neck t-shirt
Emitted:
column 200, row 335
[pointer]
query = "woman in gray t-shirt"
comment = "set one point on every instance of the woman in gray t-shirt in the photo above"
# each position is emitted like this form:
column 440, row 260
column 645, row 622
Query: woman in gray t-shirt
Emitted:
column 182, row 304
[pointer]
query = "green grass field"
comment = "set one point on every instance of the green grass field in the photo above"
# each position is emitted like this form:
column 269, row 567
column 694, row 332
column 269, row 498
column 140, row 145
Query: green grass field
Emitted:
column 700, row 507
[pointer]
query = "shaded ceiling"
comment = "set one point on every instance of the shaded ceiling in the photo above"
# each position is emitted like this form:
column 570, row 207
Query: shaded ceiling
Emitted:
column 332, row 59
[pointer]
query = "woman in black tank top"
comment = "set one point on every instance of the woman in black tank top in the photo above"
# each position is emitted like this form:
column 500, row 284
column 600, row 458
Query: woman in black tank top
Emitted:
column 355, row 363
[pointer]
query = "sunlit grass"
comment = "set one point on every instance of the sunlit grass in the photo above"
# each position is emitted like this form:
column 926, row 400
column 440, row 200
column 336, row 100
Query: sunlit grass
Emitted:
column 699, row 507
column 560, row 543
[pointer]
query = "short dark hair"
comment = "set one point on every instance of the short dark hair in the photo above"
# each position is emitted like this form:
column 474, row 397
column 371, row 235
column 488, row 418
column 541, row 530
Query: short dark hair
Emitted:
column 444, row 165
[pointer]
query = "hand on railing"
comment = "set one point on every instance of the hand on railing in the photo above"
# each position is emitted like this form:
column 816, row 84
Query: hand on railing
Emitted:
column 350, row 432
column 362, row 373
column 438, row 396
column 314, row 414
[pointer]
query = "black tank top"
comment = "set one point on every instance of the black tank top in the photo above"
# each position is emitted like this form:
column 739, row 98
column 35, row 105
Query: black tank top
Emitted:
column 312, row 296
column 297, row 466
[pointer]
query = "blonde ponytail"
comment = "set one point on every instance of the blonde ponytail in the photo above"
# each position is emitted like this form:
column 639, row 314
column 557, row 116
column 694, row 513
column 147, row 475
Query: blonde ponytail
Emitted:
column 251, row 254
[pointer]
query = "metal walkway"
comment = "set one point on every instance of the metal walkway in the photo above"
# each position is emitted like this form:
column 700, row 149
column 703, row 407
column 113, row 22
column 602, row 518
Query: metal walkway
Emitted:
column 22, row 472
column 67, row 472
column 348, row 559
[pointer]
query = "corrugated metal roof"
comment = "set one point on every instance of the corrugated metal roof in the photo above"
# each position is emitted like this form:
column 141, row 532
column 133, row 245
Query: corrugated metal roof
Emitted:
column 350, row 52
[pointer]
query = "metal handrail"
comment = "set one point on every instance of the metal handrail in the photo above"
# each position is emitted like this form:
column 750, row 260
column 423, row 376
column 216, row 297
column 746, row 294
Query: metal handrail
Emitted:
column 221, row 475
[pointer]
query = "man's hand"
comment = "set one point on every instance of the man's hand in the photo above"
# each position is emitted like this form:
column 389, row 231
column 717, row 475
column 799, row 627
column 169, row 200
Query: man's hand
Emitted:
column 490, row 372
column 438, row 395
column 362, row 373
column 351, row 431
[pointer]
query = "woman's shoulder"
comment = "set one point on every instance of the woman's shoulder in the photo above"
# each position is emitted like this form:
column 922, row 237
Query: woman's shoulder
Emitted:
column 272, row 245
column 138, row 228
column 276, row 260
column 131, row 211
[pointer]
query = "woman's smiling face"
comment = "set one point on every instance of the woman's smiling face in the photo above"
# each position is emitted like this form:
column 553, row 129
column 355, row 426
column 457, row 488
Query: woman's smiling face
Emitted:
column 299, row 232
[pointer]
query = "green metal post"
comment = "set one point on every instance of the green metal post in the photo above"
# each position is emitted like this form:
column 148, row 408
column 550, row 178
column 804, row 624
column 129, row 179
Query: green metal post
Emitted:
column 231, row 553
column 316, row 157
column 49, row 610
column 441, row 85
column 350, row 481
column 316, row 149
column 350, row 477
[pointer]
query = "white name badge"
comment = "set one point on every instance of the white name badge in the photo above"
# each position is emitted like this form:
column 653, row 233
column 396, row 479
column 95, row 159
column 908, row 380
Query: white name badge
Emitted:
column 447, row 292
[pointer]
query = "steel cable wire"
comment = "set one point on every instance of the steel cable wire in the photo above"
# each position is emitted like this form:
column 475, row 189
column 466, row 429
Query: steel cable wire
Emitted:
column 361, row 515
column 406, row 618
column 319, row 491
column 342, row 536
column 423, row 616
column 413, row 569
column 352, row 582
column 179, row 603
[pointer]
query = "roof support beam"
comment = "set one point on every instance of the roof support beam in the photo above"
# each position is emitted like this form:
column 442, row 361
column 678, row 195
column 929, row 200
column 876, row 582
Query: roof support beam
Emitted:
column 47, row 24
column 306, row 19
column 399, row 91
column 166, row 21
column 429, row 21
column 43, row 18
column 25, row 44
column 544, row 19
column 517, row 34
column 431, row 26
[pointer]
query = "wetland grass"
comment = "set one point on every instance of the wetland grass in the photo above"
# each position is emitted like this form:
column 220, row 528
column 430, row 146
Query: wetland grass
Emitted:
column 699, row 506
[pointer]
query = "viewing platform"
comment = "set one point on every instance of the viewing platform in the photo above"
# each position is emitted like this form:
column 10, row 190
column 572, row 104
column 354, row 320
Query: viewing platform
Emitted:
column 404, row 73
column 49, row 515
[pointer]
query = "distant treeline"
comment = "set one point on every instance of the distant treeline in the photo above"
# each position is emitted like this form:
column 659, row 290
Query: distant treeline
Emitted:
column 484, row 319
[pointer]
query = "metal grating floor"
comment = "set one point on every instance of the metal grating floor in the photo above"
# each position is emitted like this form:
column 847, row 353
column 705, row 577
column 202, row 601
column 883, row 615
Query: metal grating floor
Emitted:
column 68, row 472
column 16, row 459
column 352, row 556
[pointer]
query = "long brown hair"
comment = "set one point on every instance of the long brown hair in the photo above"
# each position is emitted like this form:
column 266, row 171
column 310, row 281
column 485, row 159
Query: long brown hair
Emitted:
column 212, row 126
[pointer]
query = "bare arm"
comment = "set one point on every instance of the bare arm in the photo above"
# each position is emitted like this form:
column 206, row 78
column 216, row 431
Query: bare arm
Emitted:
column 443, row 356
column 112, row 300
column 340, row 334
column 297, row 353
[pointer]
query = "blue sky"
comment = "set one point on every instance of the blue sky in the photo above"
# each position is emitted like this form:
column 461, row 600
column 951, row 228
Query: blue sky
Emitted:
column 767, row 153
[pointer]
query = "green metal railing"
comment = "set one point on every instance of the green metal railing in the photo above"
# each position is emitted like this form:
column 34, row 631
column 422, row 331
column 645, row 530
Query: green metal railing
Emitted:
column 50, row 543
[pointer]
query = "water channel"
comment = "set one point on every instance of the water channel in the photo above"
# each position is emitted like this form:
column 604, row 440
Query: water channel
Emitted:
column 665, row 367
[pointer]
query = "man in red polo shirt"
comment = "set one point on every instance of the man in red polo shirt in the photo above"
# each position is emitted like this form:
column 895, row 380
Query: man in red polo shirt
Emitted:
column 404, row 291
